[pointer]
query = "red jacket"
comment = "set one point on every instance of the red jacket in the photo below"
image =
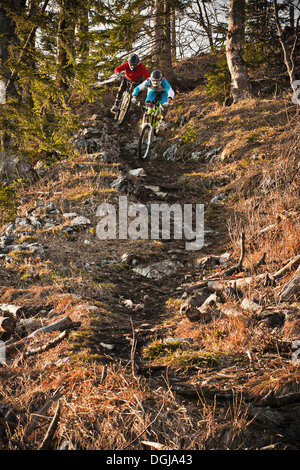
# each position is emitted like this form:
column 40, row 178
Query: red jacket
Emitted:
column 137, row 75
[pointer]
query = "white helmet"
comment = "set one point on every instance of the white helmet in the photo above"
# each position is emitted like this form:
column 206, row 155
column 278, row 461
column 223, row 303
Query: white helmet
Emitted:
column 156, row 78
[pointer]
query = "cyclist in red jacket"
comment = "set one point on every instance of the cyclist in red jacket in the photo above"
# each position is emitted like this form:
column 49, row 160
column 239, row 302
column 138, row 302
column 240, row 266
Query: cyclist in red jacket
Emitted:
column 134, row 71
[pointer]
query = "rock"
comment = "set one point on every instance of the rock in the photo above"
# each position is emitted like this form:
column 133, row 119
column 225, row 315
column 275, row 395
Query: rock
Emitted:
column 125, row 184
column 197, row 156
column 212, row 153
column 13, row 167
column 219, row 198
column 104, row 157
column 36, row 248
column 248, row 304
column 80, row 220
column 35, row 221
column 137, row 172
column 22, row 221
column 158, row 270
column 184, row 342
column 49, row 207
column 69, row 215
column 156, row 191
column 128, row 303
column 127, row 258
column 208, row 261
column 9, row 229
column 41, row 169
column 6, row 240
column 107, row 346
column 170, row 153
column 90, row 132
column 224, row 258
column 293, row 431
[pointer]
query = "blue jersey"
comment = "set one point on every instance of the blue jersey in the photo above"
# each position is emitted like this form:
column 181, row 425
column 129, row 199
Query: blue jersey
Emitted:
column 164, row 88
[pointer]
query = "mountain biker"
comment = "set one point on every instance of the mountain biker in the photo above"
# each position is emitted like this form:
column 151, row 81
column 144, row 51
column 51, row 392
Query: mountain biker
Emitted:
column 135, row 71
column 158, row 87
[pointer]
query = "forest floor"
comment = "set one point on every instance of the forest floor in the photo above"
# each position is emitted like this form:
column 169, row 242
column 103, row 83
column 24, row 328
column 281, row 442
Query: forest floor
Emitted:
column 140, row 367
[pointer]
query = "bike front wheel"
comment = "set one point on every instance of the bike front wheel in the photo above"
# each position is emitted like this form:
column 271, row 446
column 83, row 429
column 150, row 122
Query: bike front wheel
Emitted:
column 124, row 108
column 145, row 142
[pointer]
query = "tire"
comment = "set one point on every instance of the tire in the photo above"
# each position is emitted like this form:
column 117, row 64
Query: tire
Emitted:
column 124, row 108
column 145, row 142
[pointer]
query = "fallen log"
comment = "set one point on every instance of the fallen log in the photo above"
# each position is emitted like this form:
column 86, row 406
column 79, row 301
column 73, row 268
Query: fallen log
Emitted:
column 12, row 347
column 239, row 267
column 62, row 324
column 7, row 324
column 220, row 283
column 45, row 347
column 293, row 263
column 275, row 402
column 291, row 290
column 15, row 311
column 230, row 311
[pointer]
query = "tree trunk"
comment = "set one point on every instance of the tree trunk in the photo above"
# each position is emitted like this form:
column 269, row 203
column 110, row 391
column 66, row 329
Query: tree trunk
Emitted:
column 167, row 68
column 5, row 32
column 156, row 52
column 288, row 52
column 65, row 48
column 8, row 38
column 205, row 23
column 82, row 31
column 240, row 83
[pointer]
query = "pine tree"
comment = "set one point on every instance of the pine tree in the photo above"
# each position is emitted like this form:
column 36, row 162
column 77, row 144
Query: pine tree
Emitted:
column 240, row 83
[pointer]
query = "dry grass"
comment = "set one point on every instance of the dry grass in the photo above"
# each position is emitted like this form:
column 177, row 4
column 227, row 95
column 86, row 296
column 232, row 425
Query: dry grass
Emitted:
column 107, row 401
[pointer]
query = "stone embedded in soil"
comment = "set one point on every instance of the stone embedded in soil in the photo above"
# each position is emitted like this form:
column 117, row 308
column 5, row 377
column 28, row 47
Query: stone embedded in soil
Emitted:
column 80, row 220
column 158, row 270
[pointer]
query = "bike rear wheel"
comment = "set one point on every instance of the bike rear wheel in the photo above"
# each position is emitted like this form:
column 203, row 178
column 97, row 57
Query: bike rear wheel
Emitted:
column 145, row 142
column 124, row 108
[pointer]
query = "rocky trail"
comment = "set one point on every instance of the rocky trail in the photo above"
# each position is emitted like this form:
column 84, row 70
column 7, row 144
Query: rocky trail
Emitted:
column 149, row 305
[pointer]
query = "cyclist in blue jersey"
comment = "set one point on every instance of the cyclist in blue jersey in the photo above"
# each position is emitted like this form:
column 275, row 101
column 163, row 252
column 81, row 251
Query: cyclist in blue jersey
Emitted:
column 158, row 87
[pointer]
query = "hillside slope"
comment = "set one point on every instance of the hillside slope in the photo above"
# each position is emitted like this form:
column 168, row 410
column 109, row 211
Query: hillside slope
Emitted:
column 138, row 361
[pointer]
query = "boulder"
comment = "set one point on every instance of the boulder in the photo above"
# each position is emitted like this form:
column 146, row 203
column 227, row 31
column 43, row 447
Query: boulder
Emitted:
column 13, row 167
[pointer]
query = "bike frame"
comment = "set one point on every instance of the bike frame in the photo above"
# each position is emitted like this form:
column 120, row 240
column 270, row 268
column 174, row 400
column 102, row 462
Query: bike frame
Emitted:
column 125, row 102
column 152, row 115
column 151, row 119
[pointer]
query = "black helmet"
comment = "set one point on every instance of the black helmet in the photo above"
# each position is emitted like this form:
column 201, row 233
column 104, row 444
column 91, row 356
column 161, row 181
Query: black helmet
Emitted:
column 156, row 78
column 133, row 61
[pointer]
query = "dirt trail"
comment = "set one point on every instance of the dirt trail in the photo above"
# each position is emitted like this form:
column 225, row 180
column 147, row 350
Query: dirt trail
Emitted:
column 150, row 322
column 228, row 360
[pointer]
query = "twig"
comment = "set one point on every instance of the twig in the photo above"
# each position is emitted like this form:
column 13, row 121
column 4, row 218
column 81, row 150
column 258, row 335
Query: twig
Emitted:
column 40, row 413
column 239, row 266
column 49, row 345
column 145, row 429
column 261, row 261
column 51, row 430
column 133, row 348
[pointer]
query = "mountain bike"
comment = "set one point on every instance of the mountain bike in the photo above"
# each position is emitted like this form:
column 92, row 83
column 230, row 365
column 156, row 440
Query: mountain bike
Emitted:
column 122, row 112
column 151, row 119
